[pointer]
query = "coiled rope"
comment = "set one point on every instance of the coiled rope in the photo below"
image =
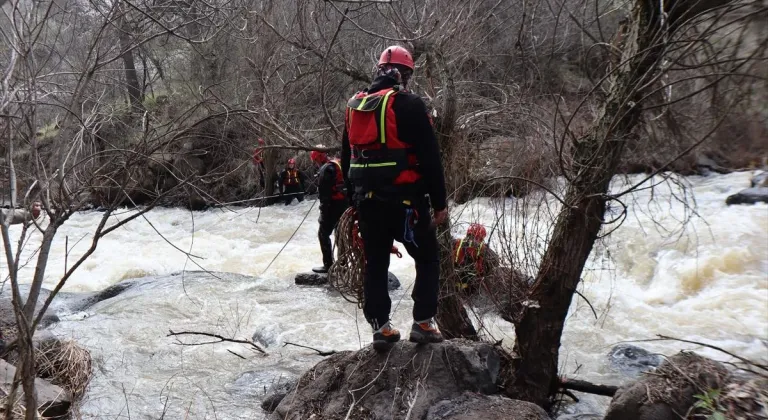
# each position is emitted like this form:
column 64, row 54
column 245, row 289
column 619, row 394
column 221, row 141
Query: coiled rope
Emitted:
column 347, row 274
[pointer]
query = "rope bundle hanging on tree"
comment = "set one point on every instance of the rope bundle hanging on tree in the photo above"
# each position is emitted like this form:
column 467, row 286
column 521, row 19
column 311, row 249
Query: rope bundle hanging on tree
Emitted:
column 347, row 274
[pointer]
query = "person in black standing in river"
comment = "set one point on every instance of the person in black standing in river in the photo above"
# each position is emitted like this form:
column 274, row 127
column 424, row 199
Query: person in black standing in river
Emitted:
column 292, row 183
column 390, row 155
column 333, row 203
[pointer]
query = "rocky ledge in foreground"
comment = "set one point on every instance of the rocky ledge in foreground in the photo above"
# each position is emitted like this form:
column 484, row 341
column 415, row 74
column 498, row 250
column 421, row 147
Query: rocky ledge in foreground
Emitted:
column 454, row 380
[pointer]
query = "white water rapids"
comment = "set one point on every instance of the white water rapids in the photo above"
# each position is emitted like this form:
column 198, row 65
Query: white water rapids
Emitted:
column 708, row 283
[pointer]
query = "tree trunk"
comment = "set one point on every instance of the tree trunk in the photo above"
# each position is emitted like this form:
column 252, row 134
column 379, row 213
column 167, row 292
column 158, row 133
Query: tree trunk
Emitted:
column 270, row 159
column 42, row 262
column 26, row 371
column 131, row 77
column 595, row 158
column 452, row 317
column 26, row 363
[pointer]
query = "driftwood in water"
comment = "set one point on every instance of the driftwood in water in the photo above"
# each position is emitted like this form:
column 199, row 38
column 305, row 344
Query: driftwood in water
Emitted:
column 588, row 387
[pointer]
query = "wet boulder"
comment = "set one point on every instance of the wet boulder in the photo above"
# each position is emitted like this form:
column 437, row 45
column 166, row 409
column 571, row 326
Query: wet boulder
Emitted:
column 393, row 283
column 759, row 180
column 311, row 279
column 749, row 196
column 276, row 394
column 471, row 406
column 321, row 279
column 409, row 378
column 705, row 165
column 633, row 360
column 669, row 391
column 267, row 336
column 8, row 318
column 52, row 400
column 93, row 298
column 261, row 383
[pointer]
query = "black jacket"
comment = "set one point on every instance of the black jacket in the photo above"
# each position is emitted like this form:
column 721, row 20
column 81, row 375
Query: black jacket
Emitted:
column 413, row 127
column 284, row 179
column 327, row 180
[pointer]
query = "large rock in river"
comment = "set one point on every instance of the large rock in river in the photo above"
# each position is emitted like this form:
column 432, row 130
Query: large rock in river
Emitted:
column 669, row 391
column 633, row 360
column 409, row 378
column 321, row 279
column 749, row 196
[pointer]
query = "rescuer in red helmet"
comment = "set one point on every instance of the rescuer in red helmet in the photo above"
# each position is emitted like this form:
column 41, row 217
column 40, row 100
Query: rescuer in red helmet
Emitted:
column 292, row 183
column 390, row 156
column 472, row 259
column 333, row 202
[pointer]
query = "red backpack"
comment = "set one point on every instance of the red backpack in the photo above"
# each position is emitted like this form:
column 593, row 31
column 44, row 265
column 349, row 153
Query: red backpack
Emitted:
column 379, row 158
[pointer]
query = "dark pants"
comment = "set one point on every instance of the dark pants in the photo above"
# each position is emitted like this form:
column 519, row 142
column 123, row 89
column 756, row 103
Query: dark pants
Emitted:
column 380, row 223
column 330, row 213
column 261, row 173
column 293, row 191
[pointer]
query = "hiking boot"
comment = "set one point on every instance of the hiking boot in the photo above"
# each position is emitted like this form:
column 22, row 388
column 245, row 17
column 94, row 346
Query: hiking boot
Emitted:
column 424, row 332
column 320, row 270
column 385, row 337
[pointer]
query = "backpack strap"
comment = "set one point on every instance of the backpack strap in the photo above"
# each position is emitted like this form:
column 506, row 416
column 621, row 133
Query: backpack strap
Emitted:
column 383, row 117
column 458, row 251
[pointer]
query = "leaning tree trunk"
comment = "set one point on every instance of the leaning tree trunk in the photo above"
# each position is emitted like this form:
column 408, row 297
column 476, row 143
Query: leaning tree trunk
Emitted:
column 452, row 317
column 595, row 159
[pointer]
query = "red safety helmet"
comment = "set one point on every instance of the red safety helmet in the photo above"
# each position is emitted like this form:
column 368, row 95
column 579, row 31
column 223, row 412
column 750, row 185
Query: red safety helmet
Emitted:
column 291, row 161
column 476, row 231
column 319, row 157
column 396, row 54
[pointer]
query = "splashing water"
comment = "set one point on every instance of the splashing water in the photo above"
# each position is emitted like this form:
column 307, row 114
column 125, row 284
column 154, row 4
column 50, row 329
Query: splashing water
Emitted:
column 707, row 282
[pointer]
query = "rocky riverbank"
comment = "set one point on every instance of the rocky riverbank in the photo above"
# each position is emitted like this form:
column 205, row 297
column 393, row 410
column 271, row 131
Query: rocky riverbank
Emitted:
column 463, row 380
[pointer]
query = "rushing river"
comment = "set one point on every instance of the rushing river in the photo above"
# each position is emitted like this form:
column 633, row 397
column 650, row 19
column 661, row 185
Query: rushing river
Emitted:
column 705, row 282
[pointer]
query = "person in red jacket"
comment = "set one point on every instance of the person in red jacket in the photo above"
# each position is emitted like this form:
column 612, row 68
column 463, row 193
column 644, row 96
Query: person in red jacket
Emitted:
column 472, row 259
column 391, row 157
column 333, row 202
